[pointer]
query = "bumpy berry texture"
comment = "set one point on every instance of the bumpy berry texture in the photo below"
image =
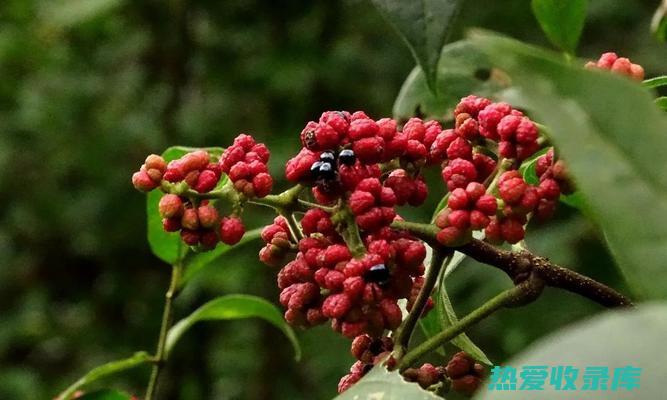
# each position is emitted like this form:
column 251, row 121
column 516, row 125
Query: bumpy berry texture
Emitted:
column 245, row 164
column 618, row 65
column 427, row 375
column 465, row 374
column 190, row 205
column 338, row 256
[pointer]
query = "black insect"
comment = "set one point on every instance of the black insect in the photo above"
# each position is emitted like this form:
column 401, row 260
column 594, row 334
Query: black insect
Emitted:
column 347, row 157
column 377, row 274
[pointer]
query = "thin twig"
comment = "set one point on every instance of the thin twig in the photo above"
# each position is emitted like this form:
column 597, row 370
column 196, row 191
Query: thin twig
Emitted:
column 167, row 321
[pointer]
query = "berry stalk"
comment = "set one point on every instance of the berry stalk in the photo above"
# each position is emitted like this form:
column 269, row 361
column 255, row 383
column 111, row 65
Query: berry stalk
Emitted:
column 519, row 294
column 160, row 358
column 404, row 332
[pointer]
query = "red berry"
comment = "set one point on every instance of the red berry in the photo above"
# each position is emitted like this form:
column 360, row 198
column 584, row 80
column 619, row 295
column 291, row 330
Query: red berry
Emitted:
column 459, row 148
column 363, row 128
column 190, row 220
column 361, row 201
column 512, row 230
column 336, row 305
column 171, row 224
column 170, row 205
column 262, row 184
column 231, row 230
column 190, row 237
column 415, row 129
column 143, row 182
column 369, row 150
column 458, row 199
column 208, row 216
column 337, row 120
column 206, row 181
column 487, row 204
column 511, row 190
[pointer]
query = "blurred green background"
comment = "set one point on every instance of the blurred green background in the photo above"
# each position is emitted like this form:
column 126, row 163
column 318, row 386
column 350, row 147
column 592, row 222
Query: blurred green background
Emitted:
column 89, row 87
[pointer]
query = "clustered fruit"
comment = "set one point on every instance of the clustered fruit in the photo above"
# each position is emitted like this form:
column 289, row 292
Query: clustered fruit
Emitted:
column 323, row 281
column 488, row 137
column 339, row 257
column 464, row 373
column 341, row 261
column 619, row 65
column 461, row 374
column 245, row 164
column 188, row 180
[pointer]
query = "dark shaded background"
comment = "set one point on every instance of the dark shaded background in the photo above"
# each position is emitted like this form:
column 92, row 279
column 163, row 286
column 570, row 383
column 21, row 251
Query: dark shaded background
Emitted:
column 89, row 87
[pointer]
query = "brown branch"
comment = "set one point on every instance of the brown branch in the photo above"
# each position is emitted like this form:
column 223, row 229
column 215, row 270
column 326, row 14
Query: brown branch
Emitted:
column 519, row 266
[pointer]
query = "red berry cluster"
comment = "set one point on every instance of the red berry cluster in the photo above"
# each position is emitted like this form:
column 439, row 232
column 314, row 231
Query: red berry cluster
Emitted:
column 245, row 164
column 185, row 180
column 465, row 374
column 427, row 375
column 372, row 204
column 554, row 180
column 359, row 295
column 342, row 149
column 619, row 65
column 198, row 224
column 407, row 189
column 467, row 210
column 195, row 169
column 278, row 244
column 368, row 351
column 467, row 173
column 150, row 174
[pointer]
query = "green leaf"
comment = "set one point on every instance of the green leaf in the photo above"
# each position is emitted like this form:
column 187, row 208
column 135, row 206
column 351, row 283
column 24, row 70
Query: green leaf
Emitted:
column 562, row 21
column 105, row 370
column 615, row 339
column 662, row 102
column 577, row 201
column 655, row 82
column 462, row 70
column 424, row 25
column 106, row 394
column 441, row 204
column 449, row 318
column 659, row 22
column 444, row 315
column 196, row 262
column 382, row 384
column 527, row 168
column 613, row 138
column 168, row 246
column 234, row 307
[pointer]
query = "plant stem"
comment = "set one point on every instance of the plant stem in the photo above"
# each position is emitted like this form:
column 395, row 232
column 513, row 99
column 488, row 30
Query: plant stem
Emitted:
column 294, row 228
column 425, row 232
column 518, row 265
column 308, row 204
column 167, row 320
column 505, row 298
column 346, row 226
column 404, row 332
column 284, row 202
